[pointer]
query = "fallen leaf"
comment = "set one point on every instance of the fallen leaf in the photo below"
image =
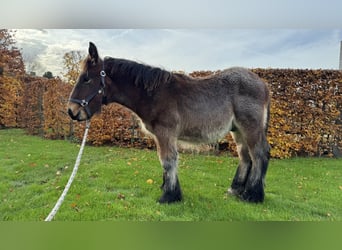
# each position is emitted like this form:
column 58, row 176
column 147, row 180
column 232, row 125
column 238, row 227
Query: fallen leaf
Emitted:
column 121, row 196
column 149, row 181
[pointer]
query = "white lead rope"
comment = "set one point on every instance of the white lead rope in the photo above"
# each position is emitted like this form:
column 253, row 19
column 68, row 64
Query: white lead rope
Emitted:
column 72, row 176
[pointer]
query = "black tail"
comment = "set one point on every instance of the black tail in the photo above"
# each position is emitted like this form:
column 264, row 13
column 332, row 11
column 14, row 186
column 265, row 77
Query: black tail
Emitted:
column 268, row 117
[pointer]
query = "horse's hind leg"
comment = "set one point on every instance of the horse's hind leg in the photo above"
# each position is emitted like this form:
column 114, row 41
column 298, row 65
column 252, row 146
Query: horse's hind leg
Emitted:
column 259, row 151
column 245, row 164
column 168, row 156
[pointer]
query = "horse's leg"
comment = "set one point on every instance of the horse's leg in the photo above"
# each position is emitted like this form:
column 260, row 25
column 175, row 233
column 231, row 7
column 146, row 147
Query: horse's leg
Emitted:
column 259, row 151
column 245, row 164
column 168, row 156
column 251, row 135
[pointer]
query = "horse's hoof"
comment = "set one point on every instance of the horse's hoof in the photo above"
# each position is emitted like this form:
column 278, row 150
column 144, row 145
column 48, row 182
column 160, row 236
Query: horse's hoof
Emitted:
column 170, row 197
column 252, row 197
column 233, row 192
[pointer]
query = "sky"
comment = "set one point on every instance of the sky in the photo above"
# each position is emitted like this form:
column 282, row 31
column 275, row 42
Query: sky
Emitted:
column 171, row 14
column 187, row 49
column 182, row 35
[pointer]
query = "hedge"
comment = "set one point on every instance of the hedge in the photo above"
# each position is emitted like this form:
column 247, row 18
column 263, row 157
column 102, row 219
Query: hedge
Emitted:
column 305, row 111
column 44, row 107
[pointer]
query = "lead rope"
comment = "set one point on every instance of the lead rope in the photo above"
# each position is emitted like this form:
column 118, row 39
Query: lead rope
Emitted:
column 72, row 176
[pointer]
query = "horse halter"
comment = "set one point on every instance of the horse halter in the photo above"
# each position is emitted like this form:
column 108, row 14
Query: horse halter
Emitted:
column 85, row 102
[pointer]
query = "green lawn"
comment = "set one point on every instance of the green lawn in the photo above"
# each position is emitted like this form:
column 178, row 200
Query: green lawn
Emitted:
column 115, row 184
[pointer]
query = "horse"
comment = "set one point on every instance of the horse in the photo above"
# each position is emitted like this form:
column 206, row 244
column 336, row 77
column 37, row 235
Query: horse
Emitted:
column 175, row 107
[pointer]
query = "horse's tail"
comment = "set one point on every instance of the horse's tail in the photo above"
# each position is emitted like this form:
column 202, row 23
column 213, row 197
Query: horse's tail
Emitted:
column 267, row 118
column 267, row 109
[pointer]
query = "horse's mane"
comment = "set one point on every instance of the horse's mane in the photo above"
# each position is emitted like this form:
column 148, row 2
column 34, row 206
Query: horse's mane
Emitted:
column 141, row 75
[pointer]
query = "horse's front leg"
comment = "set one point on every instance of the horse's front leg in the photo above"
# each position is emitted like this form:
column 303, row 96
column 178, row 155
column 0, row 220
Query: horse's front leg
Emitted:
column 168, row 156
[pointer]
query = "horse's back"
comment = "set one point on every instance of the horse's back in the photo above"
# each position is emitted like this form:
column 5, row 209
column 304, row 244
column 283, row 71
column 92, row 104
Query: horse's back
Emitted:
column 246, row 87
column 244, row 78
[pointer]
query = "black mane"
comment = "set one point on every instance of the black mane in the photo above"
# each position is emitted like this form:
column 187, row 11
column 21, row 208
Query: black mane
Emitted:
column 141, row 75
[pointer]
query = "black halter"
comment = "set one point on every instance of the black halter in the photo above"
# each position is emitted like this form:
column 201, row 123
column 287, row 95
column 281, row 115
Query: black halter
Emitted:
column 85, row 102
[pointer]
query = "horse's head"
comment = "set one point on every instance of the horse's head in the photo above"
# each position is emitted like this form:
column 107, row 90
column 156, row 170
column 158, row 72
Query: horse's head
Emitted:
column 88, row 94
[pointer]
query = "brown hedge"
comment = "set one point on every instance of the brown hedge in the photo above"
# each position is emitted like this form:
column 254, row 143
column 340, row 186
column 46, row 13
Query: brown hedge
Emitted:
column 10, row 101
column 44, row 107
column 305, row 114
column 305, row 111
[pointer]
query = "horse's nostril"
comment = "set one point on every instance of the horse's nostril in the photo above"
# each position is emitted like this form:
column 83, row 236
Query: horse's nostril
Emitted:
column 71, row 114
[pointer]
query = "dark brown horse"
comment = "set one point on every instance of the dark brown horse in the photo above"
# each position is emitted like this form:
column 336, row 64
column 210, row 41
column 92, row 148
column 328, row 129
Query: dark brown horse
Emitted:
column 176, row 107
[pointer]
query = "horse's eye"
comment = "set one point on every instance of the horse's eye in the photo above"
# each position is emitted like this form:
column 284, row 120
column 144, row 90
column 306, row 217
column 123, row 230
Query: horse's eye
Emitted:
column 86, row 80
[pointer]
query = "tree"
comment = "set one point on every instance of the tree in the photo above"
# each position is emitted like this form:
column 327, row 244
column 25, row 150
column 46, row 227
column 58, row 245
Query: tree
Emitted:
column 11, row 60
column 6, row 41
column 48, row 75
column 12, row 70
column 72, row 61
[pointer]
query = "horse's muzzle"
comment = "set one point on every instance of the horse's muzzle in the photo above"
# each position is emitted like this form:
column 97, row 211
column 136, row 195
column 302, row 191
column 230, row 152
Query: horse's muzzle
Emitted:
column 79, row 116
column 71, row 114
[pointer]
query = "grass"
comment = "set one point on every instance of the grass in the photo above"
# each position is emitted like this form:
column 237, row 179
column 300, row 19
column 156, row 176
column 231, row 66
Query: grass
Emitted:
column 114, row 184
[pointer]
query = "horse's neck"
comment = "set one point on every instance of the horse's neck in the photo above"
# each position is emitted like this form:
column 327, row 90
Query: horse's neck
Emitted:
column 128, row 97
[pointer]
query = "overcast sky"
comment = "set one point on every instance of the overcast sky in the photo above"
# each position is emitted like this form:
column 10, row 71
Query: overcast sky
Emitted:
column 183, row 35
column 187, row 49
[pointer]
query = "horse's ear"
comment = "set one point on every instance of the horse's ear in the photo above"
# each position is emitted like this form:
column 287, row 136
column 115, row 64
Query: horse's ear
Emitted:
column 94, row 56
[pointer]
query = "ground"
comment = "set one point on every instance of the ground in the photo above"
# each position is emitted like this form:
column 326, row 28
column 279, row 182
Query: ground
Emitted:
column 121, row 184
